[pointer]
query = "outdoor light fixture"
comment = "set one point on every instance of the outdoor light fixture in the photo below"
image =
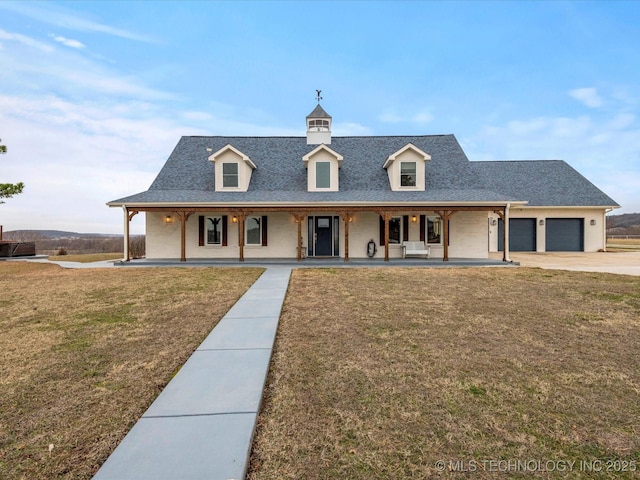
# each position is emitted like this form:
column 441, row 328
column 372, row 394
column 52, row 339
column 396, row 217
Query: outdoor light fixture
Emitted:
column 168, row 219
column 234, row 219
column 493, row 222
column 541, row 222
column 414, row 219
column 593, row 221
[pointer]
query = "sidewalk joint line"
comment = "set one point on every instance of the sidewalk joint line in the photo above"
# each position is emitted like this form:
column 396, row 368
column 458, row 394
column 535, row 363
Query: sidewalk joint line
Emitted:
column 199, row 414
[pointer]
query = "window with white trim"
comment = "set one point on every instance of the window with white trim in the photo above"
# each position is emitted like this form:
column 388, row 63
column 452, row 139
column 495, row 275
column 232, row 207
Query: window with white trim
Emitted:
column 407, row 174
column 213, row 230
column 323, row 174
column 253, row 231
column 230, row 175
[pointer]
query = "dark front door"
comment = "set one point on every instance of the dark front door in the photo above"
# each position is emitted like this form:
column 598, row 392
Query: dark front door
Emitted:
column 324, row 237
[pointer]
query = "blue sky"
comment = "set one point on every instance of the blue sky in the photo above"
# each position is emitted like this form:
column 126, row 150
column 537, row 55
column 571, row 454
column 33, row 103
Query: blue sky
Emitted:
column 95, row 95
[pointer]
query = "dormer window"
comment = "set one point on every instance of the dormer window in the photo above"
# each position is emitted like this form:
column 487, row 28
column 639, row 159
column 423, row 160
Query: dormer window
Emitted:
column 233, row 169
column 323, row 175
column 323, row 166
column 230, row 175
column 406, row 168
column 407, row 174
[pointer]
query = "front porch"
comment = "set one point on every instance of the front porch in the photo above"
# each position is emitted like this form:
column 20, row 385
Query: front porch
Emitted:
column 331, row 232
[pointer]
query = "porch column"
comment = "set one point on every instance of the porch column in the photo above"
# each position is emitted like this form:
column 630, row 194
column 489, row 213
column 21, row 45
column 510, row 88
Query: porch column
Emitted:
column 241, row 219
column 128, row 215
column 299, row 219
column 505, row 233
column 387, row 217
column 346, row 216
column 183, row 216
column 126, row 234
column 445, row 215
column 501, row 214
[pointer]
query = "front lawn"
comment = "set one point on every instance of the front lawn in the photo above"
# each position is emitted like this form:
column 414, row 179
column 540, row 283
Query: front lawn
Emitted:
column 420, row 373
column 83, row 353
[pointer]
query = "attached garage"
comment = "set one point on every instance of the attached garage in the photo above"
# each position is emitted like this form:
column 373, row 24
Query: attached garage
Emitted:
column 522, row 235
column 564, row 234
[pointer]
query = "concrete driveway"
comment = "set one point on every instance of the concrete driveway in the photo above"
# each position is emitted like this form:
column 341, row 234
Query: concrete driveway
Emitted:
column 624, row 263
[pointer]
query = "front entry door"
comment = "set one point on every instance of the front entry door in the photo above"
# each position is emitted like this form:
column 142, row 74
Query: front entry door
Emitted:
column 324, row 237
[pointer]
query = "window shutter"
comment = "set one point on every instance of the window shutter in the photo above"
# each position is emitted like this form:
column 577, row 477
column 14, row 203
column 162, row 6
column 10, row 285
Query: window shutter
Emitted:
column 264, row 231
column 201, row 231
column 423, row 221
column 224, row 230
column 381, row 231
column 405, row 228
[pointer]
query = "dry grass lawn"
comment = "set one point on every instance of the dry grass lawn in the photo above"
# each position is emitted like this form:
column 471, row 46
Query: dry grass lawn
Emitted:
column 623, row 244
column 83, row 353
column 86, row 257
column 381, row 373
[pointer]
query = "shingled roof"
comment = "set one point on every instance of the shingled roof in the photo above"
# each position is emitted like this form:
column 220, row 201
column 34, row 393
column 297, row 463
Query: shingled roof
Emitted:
column 281, row 177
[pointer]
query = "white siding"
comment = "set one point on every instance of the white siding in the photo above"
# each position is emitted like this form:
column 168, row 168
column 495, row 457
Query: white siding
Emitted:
column 594, row 235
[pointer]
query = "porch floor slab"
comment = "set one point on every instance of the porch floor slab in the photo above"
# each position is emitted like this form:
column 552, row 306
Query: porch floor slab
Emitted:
column 320, row 262
column 201, row 425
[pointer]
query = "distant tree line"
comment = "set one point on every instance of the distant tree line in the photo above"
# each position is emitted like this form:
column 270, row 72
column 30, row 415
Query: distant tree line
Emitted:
column 625, row 224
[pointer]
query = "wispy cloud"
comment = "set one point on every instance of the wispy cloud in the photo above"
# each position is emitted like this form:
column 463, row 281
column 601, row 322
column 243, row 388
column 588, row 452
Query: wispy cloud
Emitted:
column 24, row 40
column 588, row 96
column 605, row 149
column 54, row 15
column 67, row 41
column 64, row 71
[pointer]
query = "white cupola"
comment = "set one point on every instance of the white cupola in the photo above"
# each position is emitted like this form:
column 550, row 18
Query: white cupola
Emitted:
column 318, row 127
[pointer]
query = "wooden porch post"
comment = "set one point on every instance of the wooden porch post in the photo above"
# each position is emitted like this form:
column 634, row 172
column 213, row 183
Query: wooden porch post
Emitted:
column 241, row 219
column 503, row 214
column 128, row 215
column 183, row 216
column 505, row 233
column 346, row 216
column 445, row 215
column 387, row 217
column 299, row 219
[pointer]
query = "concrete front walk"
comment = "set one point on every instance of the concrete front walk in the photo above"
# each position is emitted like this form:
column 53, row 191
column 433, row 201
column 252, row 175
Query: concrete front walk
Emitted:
column 201, row 425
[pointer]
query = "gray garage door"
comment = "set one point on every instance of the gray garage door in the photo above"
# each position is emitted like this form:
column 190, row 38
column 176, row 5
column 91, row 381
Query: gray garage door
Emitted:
column 565, row 234
column 522, row 234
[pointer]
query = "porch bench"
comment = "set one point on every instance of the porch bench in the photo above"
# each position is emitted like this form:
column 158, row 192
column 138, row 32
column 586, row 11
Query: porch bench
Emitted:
column 415, row 248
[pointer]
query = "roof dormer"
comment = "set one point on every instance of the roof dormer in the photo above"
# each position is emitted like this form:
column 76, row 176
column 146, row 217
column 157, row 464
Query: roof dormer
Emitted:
column 406, row 168
column 322, row 166
column 318, row 127
column 232, row 169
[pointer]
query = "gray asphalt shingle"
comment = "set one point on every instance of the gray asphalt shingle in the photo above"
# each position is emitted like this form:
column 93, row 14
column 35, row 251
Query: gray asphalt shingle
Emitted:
column 188, row 175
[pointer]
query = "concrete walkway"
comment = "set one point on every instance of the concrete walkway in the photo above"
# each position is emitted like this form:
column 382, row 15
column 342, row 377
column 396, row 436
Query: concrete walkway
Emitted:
column 201, row 425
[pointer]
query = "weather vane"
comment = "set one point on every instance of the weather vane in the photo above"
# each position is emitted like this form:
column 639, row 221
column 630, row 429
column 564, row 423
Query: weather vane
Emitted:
column 318, row 97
